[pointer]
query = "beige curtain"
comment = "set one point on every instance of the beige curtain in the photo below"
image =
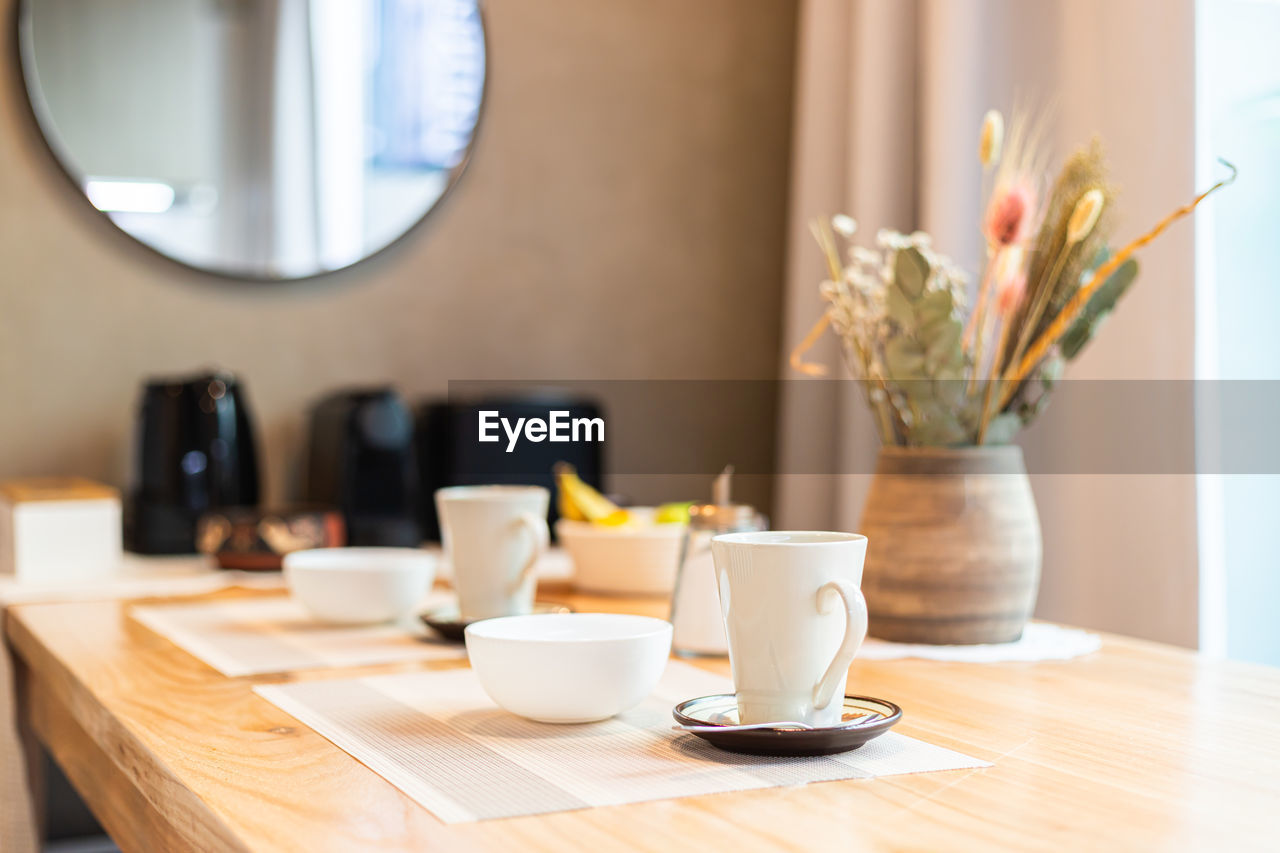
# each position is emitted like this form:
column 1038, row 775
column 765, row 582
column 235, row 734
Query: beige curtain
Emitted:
column 890, row 96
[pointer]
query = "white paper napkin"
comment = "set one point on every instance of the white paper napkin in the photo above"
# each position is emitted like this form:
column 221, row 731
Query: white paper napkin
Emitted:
column 1040, row 641
column 438, row 738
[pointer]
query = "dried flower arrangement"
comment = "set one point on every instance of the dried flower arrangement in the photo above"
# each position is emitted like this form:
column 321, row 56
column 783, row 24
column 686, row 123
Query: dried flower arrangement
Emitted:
column 936, row 376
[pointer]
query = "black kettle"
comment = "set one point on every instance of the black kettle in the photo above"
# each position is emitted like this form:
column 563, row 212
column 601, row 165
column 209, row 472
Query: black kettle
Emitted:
column 195, row 451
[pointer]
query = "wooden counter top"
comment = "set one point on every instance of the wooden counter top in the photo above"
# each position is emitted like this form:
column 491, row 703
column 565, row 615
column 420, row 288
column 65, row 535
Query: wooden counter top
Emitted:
column 1136, row 746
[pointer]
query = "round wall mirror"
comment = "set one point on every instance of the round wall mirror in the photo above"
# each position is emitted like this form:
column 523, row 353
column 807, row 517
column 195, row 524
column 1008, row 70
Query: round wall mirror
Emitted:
column 263, row 139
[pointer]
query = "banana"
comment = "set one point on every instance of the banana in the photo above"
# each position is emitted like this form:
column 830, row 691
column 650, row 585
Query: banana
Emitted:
column 568, row 509
column 580, row 502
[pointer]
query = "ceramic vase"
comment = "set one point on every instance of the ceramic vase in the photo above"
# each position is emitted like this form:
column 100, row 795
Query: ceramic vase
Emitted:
column 954, row 552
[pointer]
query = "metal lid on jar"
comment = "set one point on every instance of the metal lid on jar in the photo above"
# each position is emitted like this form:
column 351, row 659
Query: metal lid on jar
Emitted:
column 722, row 514
column 723, row 517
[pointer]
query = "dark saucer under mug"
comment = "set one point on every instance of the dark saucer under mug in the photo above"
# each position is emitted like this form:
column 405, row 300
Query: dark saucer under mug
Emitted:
column 444, row 620
column 864, row 718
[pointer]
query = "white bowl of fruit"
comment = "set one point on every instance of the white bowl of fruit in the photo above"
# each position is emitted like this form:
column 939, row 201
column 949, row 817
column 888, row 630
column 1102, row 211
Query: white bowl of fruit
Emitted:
column 615, row 551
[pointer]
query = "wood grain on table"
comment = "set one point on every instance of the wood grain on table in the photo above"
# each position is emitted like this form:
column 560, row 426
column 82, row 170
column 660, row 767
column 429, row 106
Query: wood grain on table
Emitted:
column 1136, row 746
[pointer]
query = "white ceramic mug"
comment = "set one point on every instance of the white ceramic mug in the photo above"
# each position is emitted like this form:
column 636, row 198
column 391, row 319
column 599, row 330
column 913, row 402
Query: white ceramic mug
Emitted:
column 493, row 536
column 795, row 618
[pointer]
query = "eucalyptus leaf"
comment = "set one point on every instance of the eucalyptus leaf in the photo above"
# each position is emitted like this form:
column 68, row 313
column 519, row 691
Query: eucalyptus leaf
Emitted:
column 1002, row 428
column 1029, row 411
column 939, row 431
column 899, row 307
column 951, row 377
column 1051, row 370
column 1104, row 299
column 926, row 361
column 1102, row 303
column 904, row 358
column 911, row 271
column 943, row 342
column 934, row 308
column 950, row 386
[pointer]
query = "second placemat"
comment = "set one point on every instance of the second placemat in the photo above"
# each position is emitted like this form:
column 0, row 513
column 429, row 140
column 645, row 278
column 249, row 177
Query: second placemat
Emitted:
column 258, row 635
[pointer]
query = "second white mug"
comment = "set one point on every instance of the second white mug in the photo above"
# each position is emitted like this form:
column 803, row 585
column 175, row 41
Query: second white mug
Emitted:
column 493, row 536
column 795, row 619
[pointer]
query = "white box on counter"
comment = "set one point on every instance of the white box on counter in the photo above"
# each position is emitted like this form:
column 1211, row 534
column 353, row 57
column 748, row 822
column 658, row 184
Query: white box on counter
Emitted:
column 55, row 529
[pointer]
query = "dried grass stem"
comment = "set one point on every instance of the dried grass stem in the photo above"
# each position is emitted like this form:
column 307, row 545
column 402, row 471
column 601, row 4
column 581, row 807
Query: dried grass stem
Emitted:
column 1080, row 299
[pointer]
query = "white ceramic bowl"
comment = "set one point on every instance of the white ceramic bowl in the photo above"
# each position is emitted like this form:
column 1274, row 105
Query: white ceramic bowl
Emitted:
column 634, row 559
column 569, row 667
column 359, row 585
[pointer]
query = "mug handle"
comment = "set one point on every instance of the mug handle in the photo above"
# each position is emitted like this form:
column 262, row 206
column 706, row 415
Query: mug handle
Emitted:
column 855, row 630
column 540, row 536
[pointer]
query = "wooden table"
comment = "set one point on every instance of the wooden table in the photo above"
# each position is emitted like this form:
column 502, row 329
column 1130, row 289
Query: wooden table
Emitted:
column 1139, row 746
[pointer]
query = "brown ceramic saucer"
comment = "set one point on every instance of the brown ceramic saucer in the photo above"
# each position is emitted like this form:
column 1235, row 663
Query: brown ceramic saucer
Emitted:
column 863, row 719
column 444, row 619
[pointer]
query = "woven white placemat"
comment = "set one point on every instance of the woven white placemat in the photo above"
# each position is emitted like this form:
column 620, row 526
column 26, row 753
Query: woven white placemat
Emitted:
column 253, row 636
column 438, row 738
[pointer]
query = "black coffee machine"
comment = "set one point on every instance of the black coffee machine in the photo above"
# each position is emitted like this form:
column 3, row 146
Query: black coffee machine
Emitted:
column 362, row 460
column 195, row 451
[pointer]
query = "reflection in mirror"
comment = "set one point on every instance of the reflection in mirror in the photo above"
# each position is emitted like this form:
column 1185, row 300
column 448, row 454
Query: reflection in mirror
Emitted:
column 258, row 138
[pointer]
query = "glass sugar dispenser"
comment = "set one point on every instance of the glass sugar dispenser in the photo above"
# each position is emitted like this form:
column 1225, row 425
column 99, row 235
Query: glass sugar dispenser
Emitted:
column 698, row 625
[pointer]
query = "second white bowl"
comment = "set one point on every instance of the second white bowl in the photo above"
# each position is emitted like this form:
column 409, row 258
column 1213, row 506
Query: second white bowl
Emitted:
column 632, row 559
column 359, row 585
column 569, row 667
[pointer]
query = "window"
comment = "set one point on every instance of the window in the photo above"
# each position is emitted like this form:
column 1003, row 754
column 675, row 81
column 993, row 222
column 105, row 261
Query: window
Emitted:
column 1238, row 311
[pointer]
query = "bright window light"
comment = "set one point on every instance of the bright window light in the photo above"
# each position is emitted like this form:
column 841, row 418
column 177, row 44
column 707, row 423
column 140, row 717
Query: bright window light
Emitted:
column 129, row 196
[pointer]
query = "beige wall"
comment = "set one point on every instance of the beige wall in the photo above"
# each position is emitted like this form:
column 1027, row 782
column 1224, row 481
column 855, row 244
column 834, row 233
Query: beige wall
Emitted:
column 622, row 218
